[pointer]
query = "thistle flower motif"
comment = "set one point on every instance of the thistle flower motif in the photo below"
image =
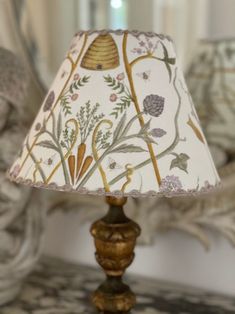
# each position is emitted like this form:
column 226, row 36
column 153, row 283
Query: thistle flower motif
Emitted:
column 154, row 105
column 49, row 101
column 170, row 184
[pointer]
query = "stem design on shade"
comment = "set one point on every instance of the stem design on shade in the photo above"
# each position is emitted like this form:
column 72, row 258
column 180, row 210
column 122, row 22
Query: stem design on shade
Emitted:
column 119, row 144
column 36, row 162
column 129, row 173
column 73, row 67
column 62, row 156
column 95, row 153
column 128, row 67
column 168, row 149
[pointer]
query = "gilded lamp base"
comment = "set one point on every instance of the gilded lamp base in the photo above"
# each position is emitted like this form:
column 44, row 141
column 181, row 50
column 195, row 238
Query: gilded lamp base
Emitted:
column 115, row 239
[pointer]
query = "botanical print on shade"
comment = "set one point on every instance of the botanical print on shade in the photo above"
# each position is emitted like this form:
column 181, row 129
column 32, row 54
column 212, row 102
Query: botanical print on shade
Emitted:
column 118, row 120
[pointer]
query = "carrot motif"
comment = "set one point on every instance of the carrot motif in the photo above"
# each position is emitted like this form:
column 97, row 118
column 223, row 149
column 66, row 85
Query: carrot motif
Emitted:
column 71, row 162
column 85, row 166
column 80, row 156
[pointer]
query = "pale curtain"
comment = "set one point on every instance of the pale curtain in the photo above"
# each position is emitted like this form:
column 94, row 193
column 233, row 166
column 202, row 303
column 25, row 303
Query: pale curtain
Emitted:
column 49, row 25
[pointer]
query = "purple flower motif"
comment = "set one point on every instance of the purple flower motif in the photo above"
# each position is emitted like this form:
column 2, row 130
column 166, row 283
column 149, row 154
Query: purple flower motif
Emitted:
column 154, row 105
column 74, row 97
column 157, row 132
column 15, row 171
column 170, row 184
column 120, row 76
column 76, row 77
column 113, row 97
column 137, row 50
column 49, row 101
column 142, row 43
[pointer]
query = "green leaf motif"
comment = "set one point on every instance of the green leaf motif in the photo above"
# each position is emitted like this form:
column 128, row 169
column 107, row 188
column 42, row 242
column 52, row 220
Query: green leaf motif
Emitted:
column 121, row 107
column 59, row 126
column 145, row 128
column 79, row 83
column 121, row 89
column 47, row 144
column 114, row 84
column 130, row 123
column 128, row 148
column 180, row 161
column 65, row 104
column 102, row 139
column 147, row 139
column 88, row 117
column 120, row 126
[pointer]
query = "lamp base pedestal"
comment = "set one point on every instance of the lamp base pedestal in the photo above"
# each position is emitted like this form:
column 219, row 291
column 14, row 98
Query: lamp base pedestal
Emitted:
column 115, row 239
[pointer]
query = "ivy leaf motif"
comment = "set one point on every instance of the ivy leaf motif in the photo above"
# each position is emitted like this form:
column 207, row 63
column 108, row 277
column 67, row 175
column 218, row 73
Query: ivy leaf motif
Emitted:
column 180, row 161
column 47, row 144
column 128, row 148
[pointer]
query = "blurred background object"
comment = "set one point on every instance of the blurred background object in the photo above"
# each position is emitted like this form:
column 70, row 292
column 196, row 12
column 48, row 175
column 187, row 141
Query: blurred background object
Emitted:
column 211, row 80
column 21, row 220
column 39, row 31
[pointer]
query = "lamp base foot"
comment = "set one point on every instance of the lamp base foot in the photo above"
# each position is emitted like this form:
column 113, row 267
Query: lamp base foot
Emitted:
column 113, row 296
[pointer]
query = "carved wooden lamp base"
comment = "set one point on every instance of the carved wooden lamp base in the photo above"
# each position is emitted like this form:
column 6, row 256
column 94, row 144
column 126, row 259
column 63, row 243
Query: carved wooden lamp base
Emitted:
column 115, row 239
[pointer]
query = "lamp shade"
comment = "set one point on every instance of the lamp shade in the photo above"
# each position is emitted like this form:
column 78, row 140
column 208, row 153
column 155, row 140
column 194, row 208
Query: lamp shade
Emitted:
column 117, row 120
column 211, row 80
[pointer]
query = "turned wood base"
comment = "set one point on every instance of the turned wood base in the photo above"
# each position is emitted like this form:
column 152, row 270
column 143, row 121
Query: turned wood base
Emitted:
column 115, row 239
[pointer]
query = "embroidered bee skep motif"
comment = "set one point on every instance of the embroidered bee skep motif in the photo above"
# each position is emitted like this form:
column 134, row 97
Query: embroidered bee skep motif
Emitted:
column 102, row 54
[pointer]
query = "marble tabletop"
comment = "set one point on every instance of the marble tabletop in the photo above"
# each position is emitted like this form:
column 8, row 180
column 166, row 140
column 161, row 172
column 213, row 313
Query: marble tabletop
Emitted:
column 59, row 287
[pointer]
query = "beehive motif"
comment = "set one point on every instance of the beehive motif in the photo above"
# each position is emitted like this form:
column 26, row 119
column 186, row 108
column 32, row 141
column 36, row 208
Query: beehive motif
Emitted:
column 102, row 54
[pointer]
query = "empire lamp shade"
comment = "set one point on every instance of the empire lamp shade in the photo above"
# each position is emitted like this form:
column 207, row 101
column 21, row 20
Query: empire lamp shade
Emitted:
column 118, row 120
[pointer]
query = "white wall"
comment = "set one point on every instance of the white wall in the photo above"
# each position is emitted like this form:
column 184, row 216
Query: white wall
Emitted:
column 174, row 256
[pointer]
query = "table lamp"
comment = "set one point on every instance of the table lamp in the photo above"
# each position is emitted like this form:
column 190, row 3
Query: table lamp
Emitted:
column 118, row 122
column 211, row 79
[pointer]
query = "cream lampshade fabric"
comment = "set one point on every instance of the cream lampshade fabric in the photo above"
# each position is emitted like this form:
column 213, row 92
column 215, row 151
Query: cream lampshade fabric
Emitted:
column 211, row 80
column 117, row 120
